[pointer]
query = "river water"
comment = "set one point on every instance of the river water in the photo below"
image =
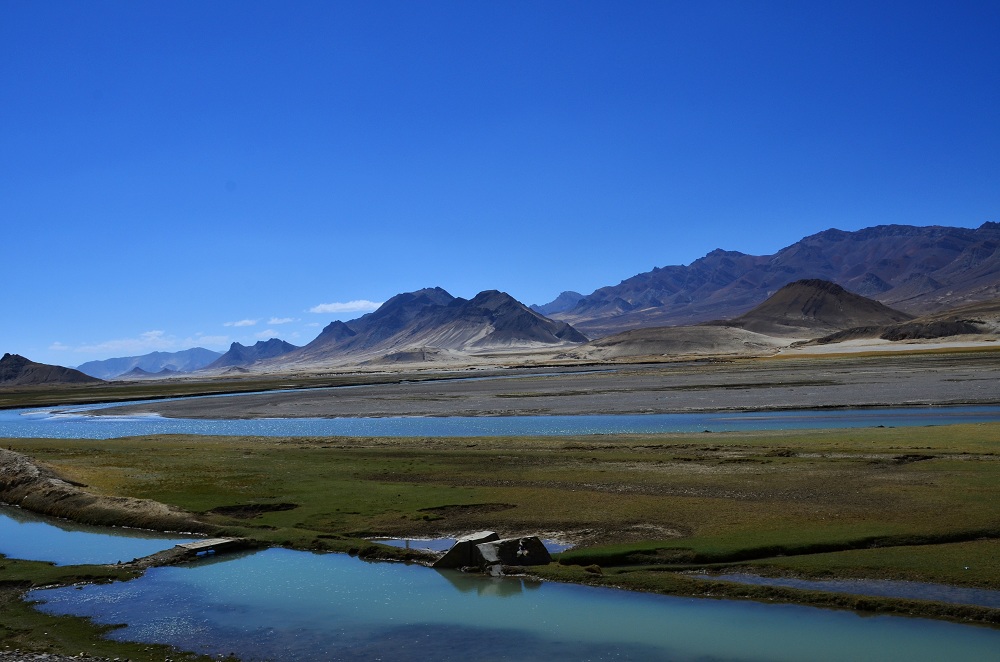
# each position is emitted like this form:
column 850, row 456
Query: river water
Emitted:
column 284, row 605
column 25, row 535
column 75, row 423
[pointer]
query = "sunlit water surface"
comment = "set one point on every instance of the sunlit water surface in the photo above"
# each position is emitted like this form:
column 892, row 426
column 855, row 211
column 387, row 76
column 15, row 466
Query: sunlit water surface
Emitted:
column 285, row 605
column 28, row 536
column 74, row 423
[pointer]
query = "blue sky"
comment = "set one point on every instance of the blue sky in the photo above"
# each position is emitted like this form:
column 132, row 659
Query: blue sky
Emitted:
column 193, row 173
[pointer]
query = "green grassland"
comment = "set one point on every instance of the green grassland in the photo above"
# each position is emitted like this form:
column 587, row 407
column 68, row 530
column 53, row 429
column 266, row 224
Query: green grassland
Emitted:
column 627, row 500
column 904, row 503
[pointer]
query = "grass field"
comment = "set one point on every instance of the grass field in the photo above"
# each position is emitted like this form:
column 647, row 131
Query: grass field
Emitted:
column 903, row 503
column 626, row 500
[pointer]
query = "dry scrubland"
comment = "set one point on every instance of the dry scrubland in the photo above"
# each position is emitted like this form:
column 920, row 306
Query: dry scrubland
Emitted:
column 904, row 503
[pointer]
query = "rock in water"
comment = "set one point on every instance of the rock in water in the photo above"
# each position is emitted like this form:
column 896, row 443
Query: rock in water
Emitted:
column 463, row 552
column 512, row 551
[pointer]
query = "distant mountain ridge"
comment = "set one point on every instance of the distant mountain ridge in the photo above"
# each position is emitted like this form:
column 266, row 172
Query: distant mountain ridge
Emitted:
column 139, row 373
column 433, row 319
column 915, row 269
column 187, row 360
column 15, row 370
column 564, row 301
column 241, row 355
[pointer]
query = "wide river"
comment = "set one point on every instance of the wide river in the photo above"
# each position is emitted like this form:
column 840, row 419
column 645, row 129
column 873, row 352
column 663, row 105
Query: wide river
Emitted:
column 78, row 423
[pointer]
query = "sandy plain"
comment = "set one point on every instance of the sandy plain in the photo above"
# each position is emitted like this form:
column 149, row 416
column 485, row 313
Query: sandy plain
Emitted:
column 857, row 379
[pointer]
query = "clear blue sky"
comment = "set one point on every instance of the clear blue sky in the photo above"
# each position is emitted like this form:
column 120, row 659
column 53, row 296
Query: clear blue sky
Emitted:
column 182, row 173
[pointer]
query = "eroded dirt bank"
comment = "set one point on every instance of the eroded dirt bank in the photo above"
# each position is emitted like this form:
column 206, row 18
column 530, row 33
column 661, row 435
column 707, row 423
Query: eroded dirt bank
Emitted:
column 36, row 488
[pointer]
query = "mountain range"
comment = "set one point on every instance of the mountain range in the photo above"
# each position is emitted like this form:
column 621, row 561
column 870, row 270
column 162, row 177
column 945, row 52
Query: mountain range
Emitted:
column 888, row 282
column 436, row 324
column 188, row 360
column 914, row 269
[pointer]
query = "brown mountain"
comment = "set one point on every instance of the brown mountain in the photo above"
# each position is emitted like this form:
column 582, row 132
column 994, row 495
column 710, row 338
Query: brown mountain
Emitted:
column 15, row 370
column 803, row 309
column 975, row 319
column 430, row 323
column 915, row 269
column 812, row 307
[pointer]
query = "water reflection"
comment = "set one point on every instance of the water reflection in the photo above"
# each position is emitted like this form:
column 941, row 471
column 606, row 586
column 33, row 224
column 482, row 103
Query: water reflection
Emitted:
column 281, row 604
column 444, row 544
column 483, row 586
column 35, row 538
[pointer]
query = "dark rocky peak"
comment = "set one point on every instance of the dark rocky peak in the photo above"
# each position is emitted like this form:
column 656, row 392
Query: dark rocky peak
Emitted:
column 409, row 302
column 13, row 361
column 399, row 312
column 242, row 355
column 494, row 299
column 720, row 252
column 816, row 284
column 336, row 331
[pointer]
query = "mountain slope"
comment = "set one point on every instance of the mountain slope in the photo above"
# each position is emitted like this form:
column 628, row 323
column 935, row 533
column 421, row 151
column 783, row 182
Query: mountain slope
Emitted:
column 917, row 269
column 187, row 360
column 678, row 342
column 15, row 370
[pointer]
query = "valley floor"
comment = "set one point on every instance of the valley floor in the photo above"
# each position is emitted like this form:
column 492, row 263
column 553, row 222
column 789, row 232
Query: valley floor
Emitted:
column 914, row 503
column 956, row 376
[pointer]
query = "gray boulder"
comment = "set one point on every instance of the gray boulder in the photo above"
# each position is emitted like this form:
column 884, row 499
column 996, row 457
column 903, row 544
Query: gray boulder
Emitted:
column 512, row 551
column 463, row 553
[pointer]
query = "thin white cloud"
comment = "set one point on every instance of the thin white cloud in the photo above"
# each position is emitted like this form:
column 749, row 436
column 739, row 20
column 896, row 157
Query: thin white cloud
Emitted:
column 267, row 334
column 242, row 323
column 146, row 342
column 361, row 305
column 201, row 339
column 150, row 341
column 59, row 347
column 281, row 320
